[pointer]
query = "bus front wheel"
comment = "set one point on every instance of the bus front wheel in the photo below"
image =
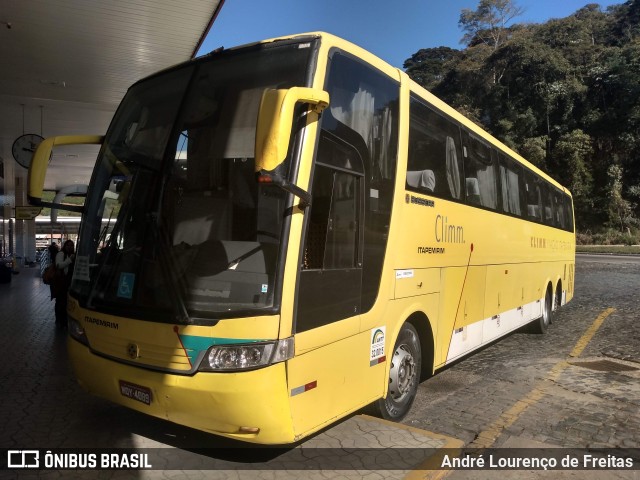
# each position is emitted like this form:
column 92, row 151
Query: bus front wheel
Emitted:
column 404, row 376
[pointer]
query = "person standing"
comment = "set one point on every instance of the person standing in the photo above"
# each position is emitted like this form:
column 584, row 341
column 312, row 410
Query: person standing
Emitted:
column 48, row 257
column 64, row 266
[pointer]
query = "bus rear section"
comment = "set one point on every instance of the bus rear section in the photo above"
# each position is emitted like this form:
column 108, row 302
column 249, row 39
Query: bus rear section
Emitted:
column 495, row 234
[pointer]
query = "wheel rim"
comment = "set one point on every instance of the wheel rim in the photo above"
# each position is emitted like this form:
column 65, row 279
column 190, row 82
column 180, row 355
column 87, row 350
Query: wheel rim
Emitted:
column 402, row 374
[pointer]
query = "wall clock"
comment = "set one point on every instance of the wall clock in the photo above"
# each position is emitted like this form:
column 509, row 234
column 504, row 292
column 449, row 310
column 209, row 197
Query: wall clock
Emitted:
column 24, row 147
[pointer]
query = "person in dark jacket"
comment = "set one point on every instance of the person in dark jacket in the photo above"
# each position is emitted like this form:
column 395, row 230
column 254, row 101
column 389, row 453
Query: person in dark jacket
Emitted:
column 64, row 266
column 48, row 258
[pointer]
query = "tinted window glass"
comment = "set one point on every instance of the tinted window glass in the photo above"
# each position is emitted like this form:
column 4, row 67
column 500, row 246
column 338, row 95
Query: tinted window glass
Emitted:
column 533, row 197
column 191, row 234
column 547, row 203
column 332, row 234
column 480, row 174
column 434, row 164
column 364, row 114
column 364, row 102
column 510, row 182
column 568, row 209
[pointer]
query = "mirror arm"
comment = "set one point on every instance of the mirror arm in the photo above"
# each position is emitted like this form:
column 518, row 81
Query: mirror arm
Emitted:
column 60, row 206
column 303, row 195
column 287, row 186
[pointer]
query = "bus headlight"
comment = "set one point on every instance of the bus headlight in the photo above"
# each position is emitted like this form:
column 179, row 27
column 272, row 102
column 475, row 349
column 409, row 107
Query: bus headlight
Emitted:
column 246, row 356
column 77, row 332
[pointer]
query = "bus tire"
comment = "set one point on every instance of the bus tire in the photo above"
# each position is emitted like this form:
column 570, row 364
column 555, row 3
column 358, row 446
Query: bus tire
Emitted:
column 558, row 300
column 541, row 324
column 404, row 376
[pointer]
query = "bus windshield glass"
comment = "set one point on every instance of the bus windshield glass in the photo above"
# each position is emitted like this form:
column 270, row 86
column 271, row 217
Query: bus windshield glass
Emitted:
column 177, row 227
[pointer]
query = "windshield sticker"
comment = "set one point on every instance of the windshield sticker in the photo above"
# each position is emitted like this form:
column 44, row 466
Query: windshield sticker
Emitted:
column 81, row 268
column 265, row 288
column 125, row 285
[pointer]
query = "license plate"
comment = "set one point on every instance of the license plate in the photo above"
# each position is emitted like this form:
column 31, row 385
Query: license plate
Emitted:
column 136, row 392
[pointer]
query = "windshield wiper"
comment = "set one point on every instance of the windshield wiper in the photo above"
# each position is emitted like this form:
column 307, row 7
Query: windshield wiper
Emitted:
column 168, row 267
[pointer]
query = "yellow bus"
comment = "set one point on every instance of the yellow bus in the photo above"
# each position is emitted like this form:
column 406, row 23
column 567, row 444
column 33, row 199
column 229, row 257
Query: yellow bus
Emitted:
column 280, row 234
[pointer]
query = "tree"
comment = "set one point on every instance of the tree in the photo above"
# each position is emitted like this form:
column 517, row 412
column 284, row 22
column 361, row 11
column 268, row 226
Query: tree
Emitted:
column 573, row 152
column 612, row 114
column 536, row 77
column 564, row 93
column 488, row 23
column 535, row 150
column 627, row 25
column 620, row 210
column 429, row 66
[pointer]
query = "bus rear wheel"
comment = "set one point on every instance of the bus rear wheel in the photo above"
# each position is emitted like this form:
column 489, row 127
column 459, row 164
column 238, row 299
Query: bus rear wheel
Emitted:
column 558, row 300
column 542, row 324
column 404, row 376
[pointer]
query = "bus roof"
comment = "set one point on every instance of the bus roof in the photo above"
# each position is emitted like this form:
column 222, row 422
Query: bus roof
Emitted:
column 416, row 88
column 332, row 41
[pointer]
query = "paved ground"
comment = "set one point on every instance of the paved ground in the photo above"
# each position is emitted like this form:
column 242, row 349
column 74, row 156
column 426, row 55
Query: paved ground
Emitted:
column 43, row 408
column 528, row 390
column 525, row 391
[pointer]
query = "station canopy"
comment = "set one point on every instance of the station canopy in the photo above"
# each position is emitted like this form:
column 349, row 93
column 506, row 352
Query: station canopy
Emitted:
column 66, row 64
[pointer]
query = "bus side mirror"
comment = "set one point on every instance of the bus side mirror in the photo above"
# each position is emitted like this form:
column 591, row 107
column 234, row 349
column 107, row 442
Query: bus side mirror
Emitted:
column 275, row 117
column 38, row 167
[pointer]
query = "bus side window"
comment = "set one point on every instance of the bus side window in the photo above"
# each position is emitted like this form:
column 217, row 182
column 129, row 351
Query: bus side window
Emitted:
column 510, row 181
column 533, row 197
column 568, row 209
column 434, row 153
column 334, row 223
column 547, row 199
column 558, row 210
column 480, row 174
column 318, row 219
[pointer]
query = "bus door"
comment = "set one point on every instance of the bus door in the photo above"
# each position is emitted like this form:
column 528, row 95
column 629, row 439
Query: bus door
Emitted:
column 331, row 270
column 328, row 305
column 344, row 244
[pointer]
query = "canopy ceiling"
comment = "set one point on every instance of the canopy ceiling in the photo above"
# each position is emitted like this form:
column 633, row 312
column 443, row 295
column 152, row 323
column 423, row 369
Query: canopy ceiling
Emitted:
column 66, row 65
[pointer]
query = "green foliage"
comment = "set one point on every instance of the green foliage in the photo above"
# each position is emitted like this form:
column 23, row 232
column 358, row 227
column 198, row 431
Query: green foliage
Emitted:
column 565, row 94
column 534, row 149
column 620, row 210
column 428, row 66
column 608, row 237
column 626, row 27
column 572, row 152
column 487, row 24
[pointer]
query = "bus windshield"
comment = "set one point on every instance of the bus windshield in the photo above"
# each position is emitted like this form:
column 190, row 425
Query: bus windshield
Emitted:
column 176, row 226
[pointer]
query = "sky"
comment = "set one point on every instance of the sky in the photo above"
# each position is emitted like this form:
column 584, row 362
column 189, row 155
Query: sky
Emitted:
column 392, row 30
